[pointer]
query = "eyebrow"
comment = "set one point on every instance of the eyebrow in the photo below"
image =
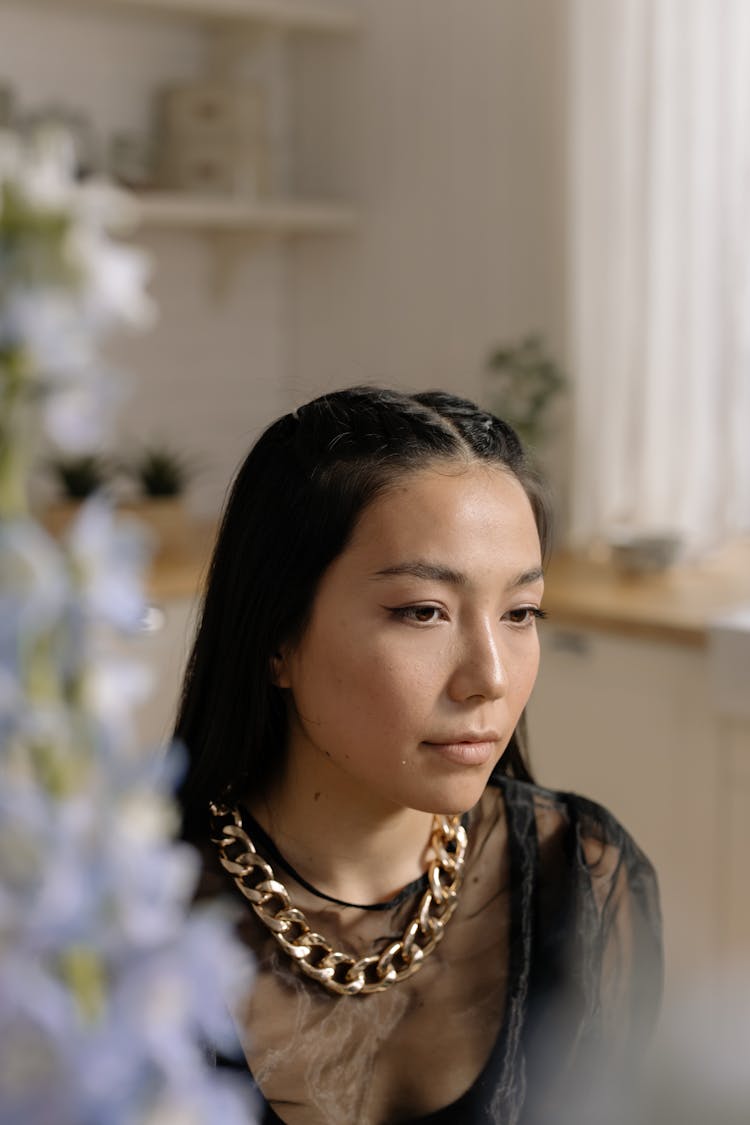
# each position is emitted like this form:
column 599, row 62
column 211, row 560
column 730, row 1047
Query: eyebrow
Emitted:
column 434, row 572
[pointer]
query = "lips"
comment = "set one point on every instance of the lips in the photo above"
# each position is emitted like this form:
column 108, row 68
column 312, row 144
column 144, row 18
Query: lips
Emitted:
column 466, row 736
column 472, row 748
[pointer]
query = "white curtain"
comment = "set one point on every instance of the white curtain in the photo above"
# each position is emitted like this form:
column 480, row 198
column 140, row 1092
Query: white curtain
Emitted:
column 660, row 266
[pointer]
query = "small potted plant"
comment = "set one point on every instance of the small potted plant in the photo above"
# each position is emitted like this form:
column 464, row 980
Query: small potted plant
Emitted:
column 161, row 476
column 524, row 381
column 74, row 480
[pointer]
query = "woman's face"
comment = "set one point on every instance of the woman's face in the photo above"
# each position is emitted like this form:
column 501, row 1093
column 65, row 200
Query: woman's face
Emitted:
column 421, row 650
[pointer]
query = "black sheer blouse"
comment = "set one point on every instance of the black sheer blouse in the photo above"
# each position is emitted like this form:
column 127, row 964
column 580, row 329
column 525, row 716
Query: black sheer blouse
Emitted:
column 535, row 1008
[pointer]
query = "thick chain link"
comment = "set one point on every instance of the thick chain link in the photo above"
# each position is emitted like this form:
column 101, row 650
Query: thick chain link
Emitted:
column 339, row 972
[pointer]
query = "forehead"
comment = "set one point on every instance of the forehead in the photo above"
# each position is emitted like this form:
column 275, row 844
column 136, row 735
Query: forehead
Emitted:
column 463, row 513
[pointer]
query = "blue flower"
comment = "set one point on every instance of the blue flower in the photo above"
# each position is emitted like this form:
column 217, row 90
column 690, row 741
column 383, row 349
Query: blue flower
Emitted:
column 112, row 989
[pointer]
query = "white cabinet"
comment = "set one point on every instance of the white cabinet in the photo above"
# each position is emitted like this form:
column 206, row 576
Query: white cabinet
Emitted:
column 729, row 659
column 629, row 723
column 734, row 840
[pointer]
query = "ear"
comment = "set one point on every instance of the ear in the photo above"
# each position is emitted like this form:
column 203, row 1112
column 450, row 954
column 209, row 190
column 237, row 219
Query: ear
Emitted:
column 279, row 670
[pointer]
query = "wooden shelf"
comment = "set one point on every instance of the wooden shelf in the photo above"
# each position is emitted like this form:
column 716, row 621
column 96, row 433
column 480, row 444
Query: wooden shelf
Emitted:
column 174, row 210
column 288, row 15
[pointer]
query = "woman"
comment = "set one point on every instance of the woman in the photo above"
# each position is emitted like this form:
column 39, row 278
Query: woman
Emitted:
column 437, row 938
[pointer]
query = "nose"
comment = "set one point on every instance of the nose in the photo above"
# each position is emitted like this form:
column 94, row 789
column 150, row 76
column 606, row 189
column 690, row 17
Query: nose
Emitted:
column 479, row 671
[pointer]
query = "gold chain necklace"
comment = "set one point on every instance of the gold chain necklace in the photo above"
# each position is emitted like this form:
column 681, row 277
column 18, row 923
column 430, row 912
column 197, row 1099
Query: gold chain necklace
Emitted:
column 339, row 972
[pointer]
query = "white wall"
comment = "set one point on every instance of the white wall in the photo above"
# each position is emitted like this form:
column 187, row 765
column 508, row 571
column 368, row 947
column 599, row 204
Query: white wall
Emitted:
column 457, row 162
column 447, row 123
column 443, row 120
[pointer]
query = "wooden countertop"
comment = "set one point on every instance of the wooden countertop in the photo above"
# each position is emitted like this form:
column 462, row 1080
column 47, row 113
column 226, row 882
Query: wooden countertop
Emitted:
column 677, row 605
column 181, row 573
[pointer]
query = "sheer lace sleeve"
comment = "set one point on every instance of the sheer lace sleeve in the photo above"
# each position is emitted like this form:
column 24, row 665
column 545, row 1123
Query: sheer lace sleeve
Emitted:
column 618, row 890
column 597, row 980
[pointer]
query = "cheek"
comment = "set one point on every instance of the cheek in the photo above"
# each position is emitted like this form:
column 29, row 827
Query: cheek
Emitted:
column 326, row 660
column 376, row 661
column 334, row 680
column 366, row 688
column 528, row 668
column 520, row 657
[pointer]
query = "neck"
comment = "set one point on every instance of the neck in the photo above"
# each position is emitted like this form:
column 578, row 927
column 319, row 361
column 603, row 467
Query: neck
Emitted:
column 347, row 844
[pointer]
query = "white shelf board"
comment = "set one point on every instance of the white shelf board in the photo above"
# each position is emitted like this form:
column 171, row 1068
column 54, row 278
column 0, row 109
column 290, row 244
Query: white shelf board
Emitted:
column 289, row 15
column 169, row 210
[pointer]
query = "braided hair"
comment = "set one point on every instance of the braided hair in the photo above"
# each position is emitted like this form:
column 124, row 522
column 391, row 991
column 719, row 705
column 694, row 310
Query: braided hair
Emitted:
column 292, row 509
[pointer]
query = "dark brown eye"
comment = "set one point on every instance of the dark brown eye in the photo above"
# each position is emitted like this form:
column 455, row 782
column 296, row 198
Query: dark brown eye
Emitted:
column 418, row 614
column 525, row 615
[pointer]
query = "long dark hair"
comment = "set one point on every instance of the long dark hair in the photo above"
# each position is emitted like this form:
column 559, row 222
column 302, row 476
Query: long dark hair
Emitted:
column 291, row 511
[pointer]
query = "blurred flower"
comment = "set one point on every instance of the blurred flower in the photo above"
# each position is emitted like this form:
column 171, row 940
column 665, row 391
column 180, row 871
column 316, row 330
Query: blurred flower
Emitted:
column 11, row 158
column 108, row 555
column 112, row 990
column 114, row 689
column 115, row 280
column 33, row 585
column 46, row 325
column 80, row 414
column 47, row 171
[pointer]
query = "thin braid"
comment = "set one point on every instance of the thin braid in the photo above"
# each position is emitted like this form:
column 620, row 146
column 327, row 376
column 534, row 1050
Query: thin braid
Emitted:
column 483, row 433
column 359, row 423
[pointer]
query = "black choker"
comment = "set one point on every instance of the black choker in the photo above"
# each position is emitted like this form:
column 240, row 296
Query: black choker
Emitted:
column 274, row 855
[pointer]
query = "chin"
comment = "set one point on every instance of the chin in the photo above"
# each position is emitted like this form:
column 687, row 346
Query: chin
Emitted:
column 454, row 800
